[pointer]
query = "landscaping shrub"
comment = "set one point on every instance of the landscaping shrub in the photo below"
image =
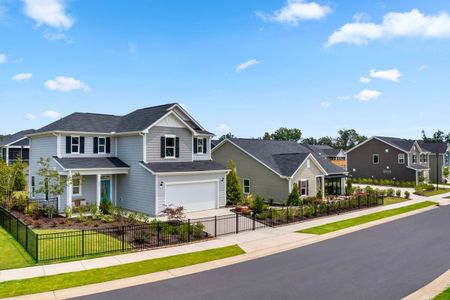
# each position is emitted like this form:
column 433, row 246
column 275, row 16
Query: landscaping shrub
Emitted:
column 107, row 218
column 37, row 224
column 174, row 214
column 105, row 206
column 119, row 214
column 258, row 205
column 349, row 188
column 384, row 182
column 198, row 229
column 234, row 188
column 294, row 196
column 398, row 193
column 19, row 200
column 407, row 195
column 133, row 217
column 390, row 193
column 68, row 212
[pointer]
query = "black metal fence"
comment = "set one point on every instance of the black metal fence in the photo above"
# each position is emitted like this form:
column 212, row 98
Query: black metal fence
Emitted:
column 45, row 247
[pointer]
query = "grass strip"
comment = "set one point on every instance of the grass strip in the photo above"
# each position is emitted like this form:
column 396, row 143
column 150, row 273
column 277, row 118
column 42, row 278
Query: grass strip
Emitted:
column 327, row 228
column 394, row 200
column 444, row 296
column 434, row 192
column 12, row 254
column 69, row 280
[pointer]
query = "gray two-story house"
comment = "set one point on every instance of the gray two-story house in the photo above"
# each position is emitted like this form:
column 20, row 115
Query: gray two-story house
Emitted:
column 15, row 146
column 389, row 158
column 143, row 161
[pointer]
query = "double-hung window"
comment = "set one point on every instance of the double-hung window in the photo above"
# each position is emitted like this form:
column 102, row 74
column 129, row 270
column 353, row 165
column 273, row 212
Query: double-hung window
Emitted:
column 75, row 144
column 76, row 186
column 170, row 147
column 200, row 145
column 375, row 159
column 304, row 187
column 247, row 186
column 101, row 145
column 414, row 159
column 401, row 158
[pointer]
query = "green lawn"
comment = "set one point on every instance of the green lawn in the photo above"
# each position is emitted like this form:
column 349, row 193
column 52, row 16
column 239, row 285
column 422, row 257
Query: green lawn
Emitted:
column 70, row 244
column 63, row 281
column 444, row 296
column 435, row 192
column 393, row 200
column 12, row 254
column 327, row 228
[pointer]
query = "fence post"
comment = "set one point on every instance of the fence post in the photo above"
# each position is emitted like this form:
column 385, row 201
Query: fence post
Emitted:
column 271, row 217
column 254, row 220
column 26, row 238
column 17, row 229
column 301, row 211
column 237, row 223
column 382, row 200
column 339, row 207
column 215, row 226
column 287, row 215
column 82, row 242
column 37, row 247
column 158, row 228
column 123, row 238
column 189, row 230
column 367, row 200
column 359, row 202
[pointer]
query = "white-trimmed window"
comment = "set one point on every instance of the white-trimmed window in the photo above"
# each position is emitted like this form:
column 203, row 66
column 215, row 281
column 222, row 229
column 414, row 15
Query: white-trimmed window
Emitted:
column 33, row 186
column 170, row 146
column 102, row 145
column 200, row 145
column 247, row 186
column 304, row 187
column 401, row 158
column 376, row 159
column 76, row 186
column 75, row 144
column 414, row 158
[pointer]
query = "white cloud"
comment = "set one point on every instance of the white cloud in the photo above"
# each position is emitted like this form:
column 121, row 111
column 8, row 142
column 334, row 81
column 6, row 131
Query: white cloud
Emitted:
column 297, row 11
column 57, row 36
column 325, row 104
column 2, row 58
column 367, row 95
column 394, row 25
column 51, row 114
column 247, row 64
column 48, row 12
column 392, row 74
column 66, row 84
column 22, row 76
column 365, row 79
column 30, row 116
column 223, row 128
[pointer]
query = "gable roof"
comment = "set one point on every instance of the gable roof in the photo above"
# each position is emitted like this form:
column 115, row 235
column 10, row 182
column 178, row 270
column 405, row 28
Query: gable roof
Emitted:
column 434, row 148
column 136, row 121
column 283, row 157
column 399, row 143
column 324, row 150
column 13, row 138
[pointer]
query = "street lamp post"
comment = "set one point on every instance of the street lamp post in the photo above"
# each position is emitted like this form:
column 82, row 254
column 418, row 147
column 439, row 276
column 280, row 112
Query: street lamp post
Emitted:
column 437, row 171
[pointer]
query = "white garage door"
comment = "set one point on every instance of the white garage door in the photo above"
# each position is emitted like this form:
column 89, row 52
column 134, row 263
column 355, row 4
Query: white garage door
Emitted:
column 193, row 196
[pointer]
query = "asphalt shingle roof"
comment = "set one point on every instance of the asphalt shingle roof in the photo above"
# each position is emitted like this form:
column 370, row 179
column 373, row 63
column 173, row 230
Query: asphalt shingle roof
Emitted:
column 91, row 163
column 137, row 120
column 440, row 148
column 403, row 144
column 284, row 157
column 195, row 166
column 15, row 137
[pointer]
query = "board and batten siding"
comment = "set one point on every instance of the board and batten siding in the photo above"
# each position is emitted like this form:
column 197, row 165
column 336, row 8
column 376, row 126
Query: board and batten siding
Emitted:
column 192, row 179
column 263, row 181
column 41, row 147
column 154, row 144
column 88, row 147
column 135, row 191
column 310, row 174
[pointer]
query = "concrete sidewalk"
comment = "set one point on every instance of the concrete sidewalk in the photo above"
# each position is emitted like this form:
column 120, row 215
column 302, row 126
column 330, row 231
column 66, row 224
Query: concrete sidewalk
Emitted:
column 252, row 242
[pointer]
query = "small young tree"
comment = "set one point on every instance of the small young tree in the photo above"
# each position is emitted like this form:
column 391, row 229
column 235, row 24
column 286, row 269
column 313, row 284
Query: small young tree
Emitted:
column 11, row 179
column 294, row 196
column 50, row 183
column 446, row 172
column 234, row 188
column 20, row 182
column 349, row 188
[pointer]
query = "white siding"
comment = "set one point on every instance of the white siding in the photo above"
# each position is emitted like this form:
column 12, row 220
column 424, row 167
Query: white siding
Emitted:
column 135, row 191
column 191, row 178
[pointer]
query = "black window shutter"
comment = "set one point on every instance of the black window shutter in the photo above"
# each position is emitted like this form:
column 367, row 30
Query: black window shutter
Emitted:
column 205, row 146
column 95, row 145
column 163, row 147
column 177, row 147
column 81, row 144
column 195, row 145
column 108, row 145
column 68, row 144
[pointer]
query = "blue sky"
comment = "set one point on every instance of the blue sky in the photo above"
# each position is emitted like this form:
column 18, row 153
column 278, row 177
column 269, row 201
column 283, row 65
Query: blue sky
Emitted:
column 240, row 66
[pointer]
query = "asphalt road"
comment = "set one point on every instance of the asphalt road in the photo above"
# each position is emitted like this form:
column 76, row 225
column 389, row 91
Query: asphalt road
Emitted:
column 389, row 261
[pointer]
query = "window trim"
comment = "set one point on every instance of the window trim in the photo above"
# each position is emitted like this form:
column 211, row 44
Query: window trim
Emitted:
column 200, row 150
column 174, row 137
column 104, row 145
column 401, row 161
column 78, row 144
column 301, row 187
column 246, row 186
column 80, row 186
column 414, row 158
column 373, row 159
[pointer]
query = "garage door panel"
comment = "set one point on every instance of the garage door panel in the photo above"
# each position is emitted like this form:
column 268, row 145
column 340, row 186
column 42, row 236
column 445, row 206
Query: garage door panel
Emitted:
column 193, row 196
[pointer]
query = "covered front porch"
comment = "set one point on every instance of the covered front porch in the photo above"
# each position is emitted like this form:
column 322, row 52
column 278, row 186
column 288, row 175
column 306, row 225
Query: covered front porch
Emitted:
column 88, row 184
column 332, row 185
column 422, row 173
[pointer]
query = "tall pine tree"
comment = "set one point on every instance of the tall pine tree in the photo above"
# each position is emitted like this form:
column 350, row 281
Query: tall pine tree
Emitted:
column 234, row 188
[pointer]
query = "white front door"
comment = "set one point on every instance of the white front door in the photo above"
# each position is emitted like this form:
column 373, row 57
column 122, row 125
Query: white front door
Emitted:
column 193, row 196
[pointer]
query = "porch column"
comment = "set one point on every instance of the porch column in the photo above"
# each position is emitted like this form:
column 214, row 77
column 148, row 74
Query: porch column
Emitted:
column 323, row 188
column 69, row 190
column 99, row 183
column 7, row 156
column 343, row 185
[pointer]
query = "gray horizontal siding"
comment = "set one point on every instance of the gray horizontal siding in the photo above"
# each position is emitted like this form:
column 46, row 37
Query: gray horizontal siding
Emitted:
column 154, row 143
column 135, row 191
column 88, row 148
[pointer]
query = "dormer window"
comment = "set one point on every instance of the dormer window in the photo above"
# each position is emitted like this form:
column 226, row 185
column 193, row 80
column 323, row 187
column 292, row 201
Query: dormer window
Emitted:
column 200, row 146
column 414, row 159
column 75, row 145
